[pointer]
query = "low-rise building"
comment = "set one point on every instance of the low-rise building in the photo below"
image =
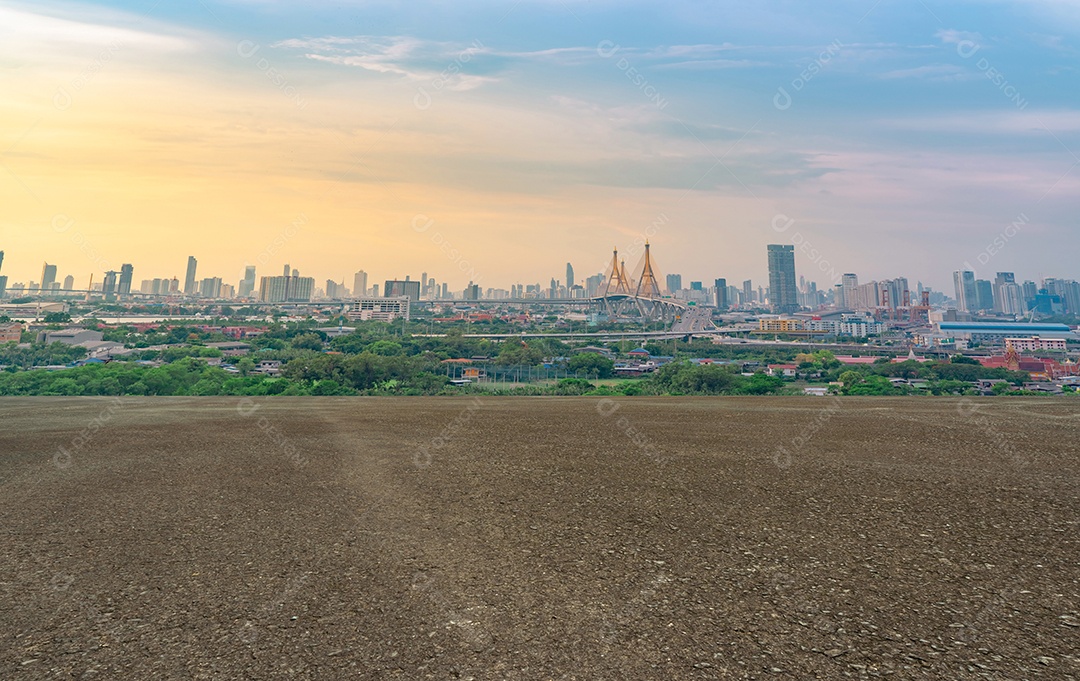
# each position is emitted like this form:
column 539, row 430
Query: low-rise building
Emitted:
column 779, row 325
column 380, row 309
column 336, row 331
column 11, row 332
column 1035, row 344
column 270, row 367
column 231, row 348
column 997, row 332
column 785, row 370
column 69, row 336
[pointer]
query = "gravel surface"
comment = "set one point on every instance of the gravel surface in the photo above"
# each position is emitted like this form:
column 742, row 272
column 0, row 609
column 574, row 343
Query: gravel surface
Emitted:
column 539, row 538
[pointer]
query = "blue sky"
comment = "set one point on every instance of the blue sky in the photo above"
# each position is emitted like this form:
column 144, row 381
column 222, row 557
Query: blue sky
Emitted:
column 890, row 138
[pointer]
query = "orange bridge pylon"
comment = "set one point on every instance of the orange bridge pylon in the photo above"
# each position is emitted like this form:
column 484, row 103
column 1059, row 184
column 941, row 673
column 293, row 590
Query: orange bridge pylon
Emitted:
column 617, row 281
column 648, row 286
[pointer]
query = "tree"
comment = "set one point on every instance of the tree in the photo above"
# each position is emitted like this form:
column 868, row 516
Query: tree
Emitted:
column 851, row 378
column 1001, row 388
column 56, row 318
column 385, row 348
column 573, row 386
column 593, row 364
column 761, row 384
column 873, row 385
column 963, row 359
column 307, row 341
column 246, row 365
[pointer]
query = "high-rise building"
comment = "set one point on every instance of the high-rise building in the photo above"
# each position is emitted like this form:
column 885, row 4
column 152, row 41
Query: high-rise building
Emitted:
column 3, row 285
column 966, row 294
column 1030, row 290
column 783, row 292
column 1070, row 294
column 335, row 290
column 69, row 282
column 290, row 289
column 593, row 284
column 247, row 284
column 1000, row 281
column 124, row 286
column 748, row 291
column 984, row 295
column 108, row 285
column 210, row 287
column 1, row 260
column 720, row 296
column 189, row 280
column 1047, row 303
column 48, row 277
column 1010, row 299
column 393, row 288
column 849, row 284
column 359, row 288
column 570, row 280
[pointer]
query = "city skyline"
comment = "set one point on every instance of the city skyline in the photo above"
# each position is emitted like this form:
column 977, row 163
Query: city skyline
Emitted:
column 788, row 292
column 913, row 139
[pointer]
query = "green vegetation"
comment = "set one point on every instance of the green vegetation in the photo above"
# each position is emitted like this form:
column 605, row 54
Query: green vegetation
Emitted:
column 407, row 359
column 38, row 355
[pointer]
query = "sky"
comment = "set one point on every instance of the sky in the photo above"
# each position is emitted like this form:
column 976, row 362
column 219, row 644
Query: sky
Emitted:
column 495, row 141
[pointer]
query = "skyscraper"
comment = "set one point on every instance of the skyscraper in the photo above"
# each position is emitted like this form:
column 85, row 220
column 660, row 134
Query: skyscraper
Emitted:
column 748, row 291
column 1, row 260
column 984, row 295
column 721, row 294
column 69, row 282
column 210, row 287
column 783, row 292
column 966, row 295
column 1009, row 299
column 1000, row 282
column 674, row 282
column 1029, row 290
column 1070, row 293
column 849, row 284
column 48, row 277
column 570, row 281
column 108, row 285
column 189, row 280
column 286, row 289
column 247, row 284
column 359, row 287
column 395, row 287
column 126, row 272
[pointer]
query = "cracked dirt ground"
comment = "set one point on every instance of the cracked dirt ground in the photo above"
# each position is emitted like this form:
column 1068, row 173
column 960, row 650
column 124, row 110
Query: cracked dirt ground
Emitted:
column 546, row 538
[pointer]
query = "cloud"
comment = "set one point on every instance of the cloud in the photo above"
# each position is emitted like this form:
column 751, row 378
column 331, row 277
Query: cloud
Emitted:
column 952, row 36
column 706, row 64
column 445, row 65
column 994, row 123
column 22, row 28
column 932, row 72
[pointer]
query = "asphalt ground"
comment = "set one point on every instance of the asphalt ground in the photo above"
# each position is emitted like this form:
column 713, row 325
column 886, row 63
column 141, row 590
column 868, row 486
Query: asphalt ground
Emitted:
column 539, row 538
